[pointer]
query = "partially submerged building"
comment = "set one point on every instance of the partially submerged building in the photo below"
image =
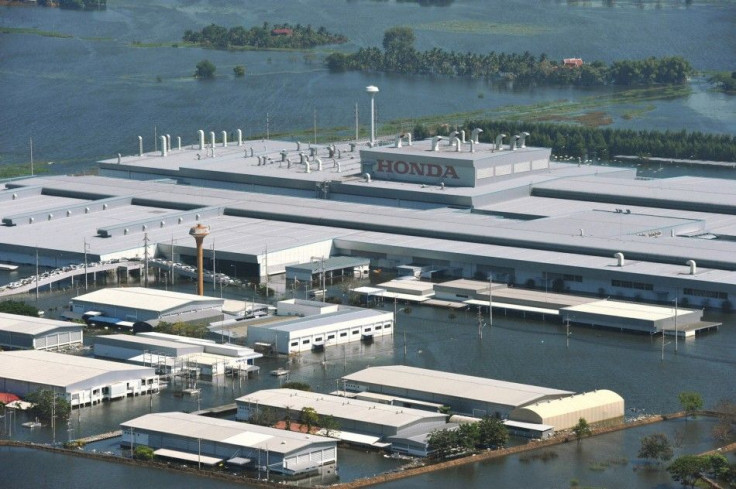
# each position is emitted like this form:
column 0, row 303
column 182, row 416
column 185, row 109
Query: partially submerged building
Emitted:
column 344, row 325
column 463, row 394
column 170, row 355
column 211, row 441
column 79, row 380
column 144, row 305
column 30, row 333
column 360, row 422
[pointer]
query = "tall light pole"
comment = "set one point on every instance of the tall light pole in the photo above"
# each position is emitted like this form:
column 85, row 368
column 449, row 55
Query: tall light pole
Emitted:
column 199, row 232
column 676, row 324
column 490, row 300
column 373, row 90
column 86, row 246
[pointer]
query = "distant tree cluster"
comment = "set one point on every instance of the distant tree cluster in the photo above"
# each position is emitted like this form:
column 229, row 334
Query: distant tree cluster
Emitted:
column 724, row 81
column 689, row 469
column 578, row 141
column 183, row 329
column 399, row 56
column 489, row 432
column 283, row 36
column 19, row 308
column 47, row 405
column 75, row 4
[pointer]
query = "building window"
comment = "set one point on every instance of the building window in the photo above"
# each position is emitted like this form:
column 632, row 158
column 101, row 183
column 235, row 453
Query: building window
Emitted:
column 386, row 326
column 343, row 335
column 330, row 336
column 712, row 294
column 377, row 328
column 628, row 284
column 367, row 329
column 356, row 331
column 294, row 343
column 318, row 339
column 305, row 342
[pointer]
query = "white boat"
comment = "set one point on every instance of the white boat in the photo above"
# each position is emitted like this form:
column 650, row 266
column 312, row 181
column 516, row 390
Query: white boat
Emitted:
column 32, row 424
column 280, row 372
column 10, row 268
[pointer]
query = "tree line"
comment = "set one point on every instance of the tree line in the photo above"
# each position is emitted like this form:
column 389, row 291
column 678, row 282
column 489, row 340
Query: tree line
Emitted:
column 283, row 36
column 74, row 4
column 400, row 56
column 578, row 141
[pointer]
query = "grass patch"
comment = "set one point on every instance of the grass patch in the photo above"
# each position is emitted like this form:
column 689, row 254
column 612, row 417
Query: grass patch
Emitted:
column 477, row 27
column 544, row 456
column 35, row 32
column 21, row 170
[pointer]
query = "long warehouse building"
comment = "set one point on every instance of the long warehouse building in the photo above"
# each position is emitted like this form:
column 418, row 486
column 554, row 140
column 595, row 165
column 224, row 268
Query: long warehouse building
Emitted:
column 212, row 441
column 79, row 380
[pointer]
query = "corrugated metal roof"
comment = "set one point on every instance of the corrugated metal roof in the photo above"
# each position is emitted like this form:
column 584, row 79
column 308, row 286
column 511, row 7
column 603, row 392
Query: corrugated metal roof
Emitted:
column 341, row 407
column 578, row 402
column 57, row 369
column 328, row 321
column 142, row 298
column 33, row 326
column 629, row 310
column 453, row 385
column 224, row 431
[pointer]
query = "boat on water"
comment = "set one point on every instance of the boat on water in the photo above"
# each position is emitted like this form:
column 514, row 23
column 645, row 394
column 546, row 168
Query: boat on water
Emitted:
column 10, row 268
column 279, row 372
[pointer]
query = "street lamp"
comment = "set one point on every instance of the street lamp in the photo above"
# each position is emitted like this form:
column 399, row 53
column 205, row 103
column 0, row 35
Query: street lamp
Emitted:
column 373, row 90
column 86, row 247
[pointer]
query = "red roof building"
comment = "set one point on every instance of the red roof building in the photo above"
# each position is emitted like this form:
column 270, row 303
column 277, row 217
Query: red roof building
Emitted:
column 572, row 62
column 7, row 398
column 282, row 32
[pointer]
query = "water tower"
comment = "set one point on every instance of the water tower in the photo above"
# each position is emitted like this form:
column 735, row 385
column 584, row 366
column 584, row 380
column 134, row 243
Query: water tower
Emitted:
column 199, row 232
column 373, row 90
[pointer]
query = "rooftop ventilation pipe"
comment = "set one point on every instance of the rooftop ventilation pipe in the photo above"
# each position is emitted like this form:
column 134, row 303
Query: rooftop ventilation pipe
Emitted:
column 298, row 145
column 168, row 143
column 472, row 146
column 499, row 141
column 240, row 137
column 119, row 157
column 693, row 266
column 339, row 169
column 319, row 163
column 163, row 145
column 251, row 151
column 620, row 259
column 178, row 143
column 301, row 158
column 200, row 135
column 462, row 136
column 474, row 134
column 352, row 147
column 283, row 155
column 456, row 142
column 582, row 232
column 140, row 145
column 436, row 143
column 288, row 163
column 312, row 152
column 451, row 137
column 224, row 139
column 523, row 135
column 514, row 142
column 212, row 141
column 307, row 167
column 331, row 151
column 367, row 177
column 398, row 140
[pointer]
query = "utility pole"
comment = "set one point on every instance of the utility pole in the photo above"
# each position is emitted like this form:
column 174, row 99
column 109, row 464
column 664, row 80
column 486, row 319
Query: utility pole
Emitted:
column 145, row 259
column 86, row 283
column 36, row 273
column 31, row 156
column 567, row 331
column 676, row 324
column 490, row 300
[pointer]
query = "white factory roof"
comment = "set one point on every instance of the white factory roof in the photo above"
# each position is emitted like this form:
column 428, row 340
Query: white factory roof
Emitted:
column 328, row 321
column 453, row 385
column 144, row 299
column 224, row 431
column 628, row 310
column 57, row 369
column 340, row 407
column 15, row 323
